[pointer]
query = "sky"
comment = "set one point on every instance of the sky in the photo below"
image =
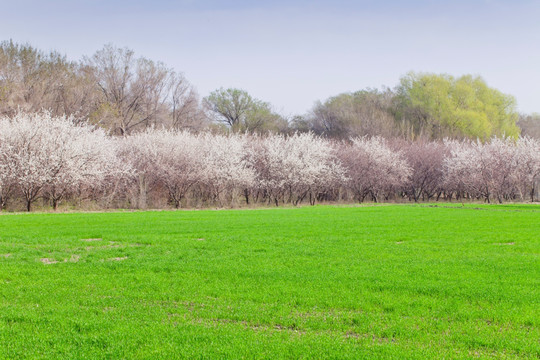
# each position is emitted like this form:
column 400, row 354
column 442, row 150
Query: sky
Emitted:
column 293, row 53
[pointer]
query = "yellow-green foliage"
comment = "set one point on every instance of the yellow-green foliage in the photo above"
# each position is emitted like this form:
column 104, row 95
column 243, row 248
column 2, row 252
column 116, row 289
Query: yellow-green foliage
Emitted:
column 459, row 107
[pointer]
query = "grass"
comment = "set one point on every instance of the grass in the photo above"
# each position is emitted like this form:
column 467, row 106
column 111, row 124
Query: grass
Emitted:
column 396, row 281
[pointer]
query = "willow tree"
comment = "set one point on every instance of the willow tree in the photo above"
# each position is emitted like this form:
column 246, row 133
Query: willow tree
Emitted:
column 444, row 106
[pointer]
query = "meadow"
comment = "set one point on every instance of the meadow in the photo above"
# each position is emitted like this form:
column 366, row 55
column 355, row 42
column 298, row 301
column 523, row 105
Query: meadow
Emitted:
column 384, row 282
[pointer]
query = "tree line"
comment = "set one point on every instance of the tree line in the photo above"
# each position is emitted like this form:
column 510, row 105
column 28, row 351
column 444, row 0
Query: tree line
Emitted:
column 55, row 159
column 114, row 130
column 121, row 93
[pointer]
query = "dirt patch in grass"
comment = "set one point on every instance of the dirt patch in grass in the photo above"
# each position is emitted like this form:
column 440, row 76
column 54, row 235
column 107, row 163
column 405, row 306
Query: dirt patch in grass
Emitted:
column 93, row 239
column 118, row 258
column 505, row 244
column 48, row 261
column 111, row 245
column 5, row 255
column 74, row 258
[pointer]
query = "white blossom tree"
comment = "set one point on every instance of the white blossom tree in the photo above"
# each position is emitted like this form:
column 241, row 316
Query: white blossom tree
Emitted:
column 140, row 153
column 178, row 165
column 41, row 153
column 6, row 175
column 484, row 170
column 225, row 166
column 87, row 158
column 528, row 172
column 295, row 167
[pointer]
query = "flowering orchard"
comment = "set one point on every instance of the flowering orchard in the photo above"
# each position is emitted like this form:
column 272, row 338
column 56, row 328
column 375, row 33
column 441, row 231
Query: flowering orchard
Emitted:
column 52, row 160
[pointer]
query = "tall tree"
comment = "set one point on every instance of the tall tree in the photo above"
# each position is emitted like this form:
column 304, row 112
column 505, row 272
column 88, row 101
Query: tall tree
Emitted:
column 32, row 80
column 132, row 90
column 530, row 125
column 365, row 112
column 240, row 112
column 443, row 106
column 136, row 93
column 186, row 112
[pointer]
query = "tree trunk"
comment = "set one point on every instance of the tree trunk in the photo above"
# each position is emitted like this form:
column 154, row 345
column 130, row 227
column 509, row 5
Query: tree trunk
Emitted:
column 142, row 192
column 415, row 197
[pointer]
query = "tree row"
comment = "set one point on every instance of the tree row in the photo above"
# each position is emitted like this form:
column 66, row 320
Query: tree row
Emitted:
column 53, row 160
column 122, row 93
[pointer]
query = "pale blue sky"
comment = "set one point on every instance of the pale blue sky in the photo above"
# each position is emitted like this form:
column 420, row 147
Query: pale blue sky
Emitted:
column 292, row 53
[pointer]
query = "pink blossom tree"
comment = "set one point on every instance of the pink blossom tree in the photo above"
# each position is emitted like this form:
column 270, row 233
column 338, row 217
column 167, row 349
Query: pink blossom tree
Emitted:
column 373, row 168
column 426, row 160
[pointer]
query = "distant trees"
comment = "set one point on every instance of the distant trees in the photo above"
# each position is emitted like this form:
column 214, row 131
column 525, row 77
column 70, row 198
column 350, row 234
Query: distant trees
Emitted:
column 225, row 167
column 113, row 89
column 135, row 93
column 484, row 170
column 7, row 176
column 178, row 165
column 530, row 125
column 501, row 169
column 528, row 160
column 362, row 113
column 32, row 80
column 242, row 113
column 426, row 105
column 124, row 93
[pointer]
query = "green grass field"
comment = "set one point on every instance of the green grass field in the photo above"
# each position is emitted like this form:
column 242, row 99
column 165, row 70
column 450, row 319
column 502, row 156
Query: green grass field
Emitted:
column 390, row 281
